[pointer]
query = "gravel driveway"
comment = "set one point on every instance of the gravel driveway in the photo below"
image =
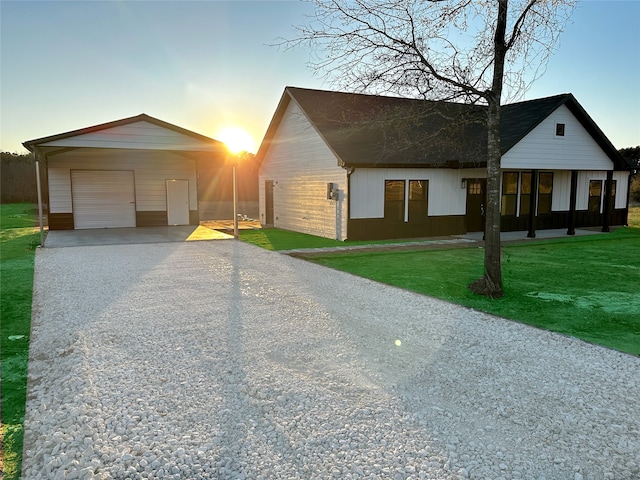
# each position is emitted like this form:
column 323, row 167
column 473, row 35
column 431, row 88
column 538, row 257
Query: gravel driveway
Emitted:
column 224, row 361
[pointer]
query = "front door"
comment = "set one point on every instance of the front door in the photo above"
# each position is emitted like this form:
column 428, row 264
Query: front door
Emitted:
column 178, row 202
column 476, row 201
column 268, row 203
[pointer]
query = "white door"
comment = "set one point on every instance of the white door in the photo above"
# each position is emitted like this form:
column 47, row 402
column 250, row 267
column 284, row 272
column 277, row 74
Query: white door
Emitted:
column 178, row 202
column 103, row 198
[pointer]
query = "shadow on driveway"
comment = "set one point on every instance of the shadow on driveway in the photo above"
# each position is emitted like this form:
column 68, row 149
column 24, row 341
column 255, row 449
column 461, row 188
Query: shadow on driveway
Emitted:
column 129, row 236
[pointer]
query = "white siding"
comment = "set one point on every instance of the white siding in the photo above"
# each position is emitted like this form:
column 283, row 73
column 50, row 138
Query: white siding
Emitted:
column 300, row 165
column 542, row 150
column 561, row 193
column 582, row 194
column 622, row 189
column 151, row 170
column 138, row 135
column 446, row 197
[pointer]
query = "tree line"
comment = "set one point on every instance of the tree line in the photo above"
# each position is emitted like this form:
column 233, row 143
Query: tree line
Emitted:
column 632, row 154
column 18, row 178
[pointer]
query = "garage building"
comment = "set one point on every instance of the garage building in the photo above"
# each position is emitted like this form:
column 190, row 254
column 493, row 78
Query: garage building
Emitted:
column 134, row 172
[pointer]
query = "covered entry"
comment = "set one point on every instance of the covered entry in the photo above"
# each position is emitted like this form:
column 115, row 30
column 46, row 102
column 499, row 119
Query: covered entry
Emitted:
column 476, row 201
column 134, row 172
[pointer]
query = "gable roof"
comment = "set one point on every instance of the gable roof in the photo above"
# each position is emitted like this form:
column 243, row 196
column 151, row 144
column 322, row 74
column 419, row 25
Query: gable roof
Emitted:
column 54, row 143
column 372, row 130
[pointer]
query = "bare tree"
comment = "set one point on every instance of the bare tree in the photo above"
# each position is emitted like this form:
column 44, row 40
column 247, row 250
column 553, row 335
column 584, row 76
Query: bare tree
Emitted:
column 457, row 50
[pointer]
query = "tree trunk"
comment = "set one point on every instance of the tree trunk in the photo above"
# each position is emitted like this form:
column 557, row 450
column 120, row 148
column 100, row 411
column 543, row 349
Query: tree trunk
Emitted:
column 491, row 283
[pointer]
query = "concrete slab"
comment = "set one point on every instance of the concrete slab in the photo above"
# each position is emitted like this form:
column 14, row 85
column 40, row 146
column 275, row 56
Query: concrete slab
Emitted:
column 125, row 236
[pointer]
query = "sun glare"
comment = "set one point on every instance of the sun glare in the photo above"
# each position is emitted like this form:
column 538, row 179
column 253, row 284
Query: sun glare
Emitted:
column 236, row 139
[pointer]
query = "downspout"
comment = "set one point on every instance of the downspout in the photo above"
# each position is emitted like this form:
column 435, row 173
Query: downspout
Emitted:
column 349, row 170
column 39, row 189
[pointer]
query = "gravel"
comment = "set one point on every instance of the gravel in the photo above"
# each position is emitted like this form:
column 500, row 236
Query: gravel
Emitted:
column 219, row 360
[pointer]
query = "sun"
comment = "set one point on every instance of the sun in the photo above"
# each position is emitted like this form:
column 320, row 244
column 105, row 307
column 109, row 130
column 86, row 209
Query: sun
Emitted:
column 236, row 139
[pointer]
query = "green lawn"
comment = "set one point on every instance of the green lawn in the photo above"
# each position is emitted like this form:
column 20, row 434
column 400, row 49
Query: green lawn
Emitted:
column 634, row 217
column 276, row 239
column 586, row 287
column 18, row 238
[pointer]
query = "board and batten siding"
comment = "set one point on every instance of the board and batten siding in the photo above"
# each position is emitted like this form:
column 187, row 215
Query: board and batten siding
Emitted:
column 622, row 187
column 151, row 170
column 561, row 193
column 446, row 197
column 541, row 149
column 300, row 165
column 138, row 135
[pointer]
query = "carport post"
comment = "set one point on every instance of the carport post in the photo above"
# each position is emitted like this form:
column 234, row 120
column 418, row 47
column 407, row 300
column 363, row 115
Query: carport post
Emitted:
column 39, row 189
column 235, row 200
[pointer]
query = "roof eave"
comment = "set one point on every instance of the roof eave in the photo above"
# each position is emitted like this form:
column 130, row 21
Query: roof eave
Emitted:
column 562, row 99
column 283, row 104
column 619, row 162
column 32, row 144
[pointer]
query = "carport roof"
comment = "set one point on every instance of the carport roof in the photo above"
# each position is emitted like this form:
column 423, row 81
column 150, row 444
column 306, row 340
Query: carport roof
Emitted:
column 141, row 132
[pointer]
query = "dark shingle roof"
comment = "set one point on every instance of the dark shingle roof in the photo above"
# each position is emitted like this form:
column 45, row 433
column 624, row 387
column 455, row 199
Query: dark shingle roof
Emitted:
column 372, row 130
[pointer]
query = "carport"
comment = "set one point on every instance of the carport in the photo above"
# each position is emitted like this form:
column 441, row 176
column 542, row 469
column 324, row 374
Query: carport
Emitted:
column 134, row 172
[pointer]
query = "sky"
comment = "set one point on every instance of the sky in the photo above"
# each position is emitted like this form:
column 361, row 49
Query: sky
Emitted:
column 210, row 65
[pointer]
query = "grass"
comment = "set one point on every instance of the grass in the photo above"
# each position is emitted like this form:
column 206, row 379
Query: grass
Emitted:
column 585, row 287
column 276, row 239
column 634, row 217
column 18, row 239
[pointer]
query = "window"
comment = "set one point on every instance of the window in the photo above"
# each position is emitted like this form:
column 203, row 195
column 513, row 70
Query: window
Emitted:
column 509, row 193
column 595, row 194
column 474, row 187
column 525, row 193
column 545, row 189
column 394, row 200
column 418, row 199
column 559, row 129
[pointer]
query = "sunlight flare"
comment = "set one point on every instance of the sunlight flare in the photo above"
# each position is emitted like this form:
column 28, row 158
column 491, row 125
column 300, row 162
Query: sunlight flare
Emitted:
column 236, row 139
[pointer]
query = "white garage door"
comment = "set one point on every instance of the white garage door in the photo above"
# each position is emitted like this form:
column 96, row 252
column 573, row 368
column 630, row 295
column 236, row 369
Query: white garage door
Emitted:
column 103, row 198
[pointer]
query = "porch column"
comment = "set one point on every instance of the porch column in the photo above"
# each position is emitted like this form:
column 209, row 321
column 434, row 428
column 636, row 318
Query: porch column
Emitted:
column 571, row 228
column 39, row 190
column 533, row 203
column 606, row 214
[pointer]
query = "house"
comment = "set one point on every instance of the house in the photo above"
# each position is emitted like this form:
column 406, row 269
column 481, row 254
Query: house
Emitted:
column 353, row 167
column 134, row 172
